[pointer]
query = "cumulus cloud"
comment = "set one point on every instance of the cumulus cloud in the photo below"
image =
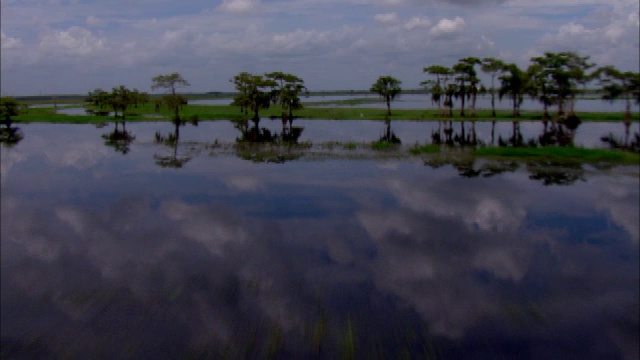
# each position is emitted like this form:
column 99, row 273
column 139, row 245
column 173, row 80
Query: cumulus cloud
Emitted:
column 618, row 28
column 75, row 41
column 447, row 26
column 386, row 18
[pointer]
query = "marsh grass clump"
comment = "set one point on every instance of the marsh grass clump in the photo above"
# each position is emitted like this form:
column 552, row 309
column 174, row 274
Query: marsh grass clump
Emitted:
column 350, row 146
column 383, row 145
column 569, row 154
column 425, row 149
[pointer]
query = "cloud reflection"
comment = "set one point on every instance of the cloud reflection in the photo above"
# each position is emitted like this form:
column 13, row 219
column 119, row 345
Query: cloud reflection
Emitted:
column 182, row 273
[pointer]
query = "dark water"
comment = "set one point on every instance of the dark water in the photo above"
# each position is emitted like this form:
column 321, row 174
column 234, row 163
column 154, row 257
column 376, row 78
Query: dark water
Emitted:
column 111, row 255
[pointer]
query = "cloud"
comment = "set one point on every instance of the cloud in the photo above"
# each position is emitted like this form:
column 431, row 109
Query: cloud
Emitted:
column 417, row 22
column 618, row 28
column 75, row 41
column 9, row 43
column 447, row 27
column 94, row 21
column 239, row 6
column 244, row 183
column 387, row 18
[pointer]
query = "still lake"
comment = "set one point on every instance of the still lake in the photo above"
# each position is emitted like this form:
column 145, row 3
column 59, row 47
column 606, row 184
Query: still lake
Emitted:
column 105, row 254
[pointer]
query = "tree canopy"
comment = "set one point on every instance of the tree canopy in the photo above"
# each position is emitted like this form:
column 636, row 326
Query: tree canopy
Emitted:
column 169, row 82
column 253, row 92
column 8, row 109
column 388, row 88
column 173, row 101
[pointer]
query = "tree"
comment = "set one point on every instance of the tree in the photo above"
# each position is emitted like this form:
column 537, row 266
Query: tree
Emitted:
column 514, row 84
column 565, row 71
column 539, row 87
column 465, row 68
column 8, row 108
column 388, row 88
column 119, row 99
column 171, row 82
column 442, row 74
column 493, row 67
column 287, row 93
column 138, row 97
column 253, row 93
column 617, row 84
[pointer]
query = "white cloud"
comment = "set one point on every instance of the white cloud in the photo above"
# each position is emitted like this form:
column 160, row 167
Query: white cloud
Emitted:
column 8, row 42
column 612, row 39
column 73, row 41
column 386, row 18
column 446, row 26
column 417, row 22
column 239, row 6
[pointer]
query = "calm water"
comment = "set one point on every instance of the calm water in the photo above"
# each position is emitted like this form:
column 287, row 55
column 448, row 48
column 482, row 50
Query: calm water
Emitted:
column 421, row 101
column 112, row 255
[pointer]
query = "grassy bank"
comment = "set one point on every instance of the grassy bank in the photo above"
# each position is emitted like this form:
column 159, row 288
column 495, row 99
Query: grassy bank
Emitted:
column 227, row 112
column 556, row 153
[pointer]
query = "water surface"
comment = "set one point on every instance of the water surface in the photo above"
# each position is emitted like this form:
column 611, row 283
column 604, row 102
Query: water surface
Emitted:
column 113, row 255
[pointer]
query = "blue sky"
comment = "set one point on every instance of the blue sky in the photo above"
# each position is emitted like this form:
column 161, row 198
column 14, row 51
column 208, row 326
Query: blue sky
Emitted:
column 74, row 46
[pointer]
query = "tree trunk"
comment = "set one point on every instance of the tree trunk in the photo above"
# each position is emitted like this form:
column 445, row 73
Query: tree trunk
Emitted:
column 474, row 92
column 493, row 98
column 462, row 100
column 627, row 113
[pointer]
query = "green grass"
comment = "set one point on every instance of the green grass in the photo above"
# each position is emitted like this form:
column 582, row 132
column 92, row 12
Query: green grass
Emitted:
column 561, row 153
column 383, row 145
column 228, row 112
column 425, row 149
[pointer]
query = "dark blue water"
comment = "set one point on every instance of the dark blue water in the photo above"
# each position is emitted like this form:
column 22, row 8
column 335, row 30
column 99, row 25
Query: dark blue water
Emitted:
column 105, row 254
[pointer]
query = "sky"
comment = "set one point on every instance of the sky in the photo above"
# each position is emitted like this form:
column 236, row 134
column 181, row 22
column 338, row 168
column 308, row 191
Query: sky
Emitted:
column 75, row 46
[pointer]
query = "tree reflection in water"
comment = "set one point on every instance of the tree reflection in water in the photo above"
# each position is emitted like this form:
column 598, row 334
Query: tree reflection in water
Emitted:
column 259, row 144
column 10, row 135
column 120, row 140
column 172, row 140
column 389, row 136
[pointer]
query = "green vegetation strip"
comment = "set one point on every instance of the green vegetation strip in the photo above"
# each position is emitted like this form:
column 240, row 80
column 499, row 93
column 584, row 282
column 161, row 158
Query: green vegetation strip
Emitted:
column 227, row 112
column 561, row 153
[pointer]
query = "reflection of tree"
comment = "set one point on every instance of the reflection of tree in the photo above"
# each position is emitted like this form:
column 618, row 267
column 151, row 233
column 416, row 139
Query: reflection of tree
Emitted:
column 452, row 138
column 171, row 140
column 515, row 140
column 617, row 143
column 261, row 145
column 551, row 173
column 119, row 139
column 389, row 136
column 467, row 167
column 254, row 134
column 10, row 135
column 560, row 132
